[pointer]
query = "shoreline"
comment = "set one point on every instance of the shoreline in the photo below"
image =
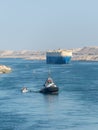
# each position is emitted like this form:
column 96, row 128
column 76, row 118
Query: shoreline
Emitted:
column 78, row 54
column 78, row 59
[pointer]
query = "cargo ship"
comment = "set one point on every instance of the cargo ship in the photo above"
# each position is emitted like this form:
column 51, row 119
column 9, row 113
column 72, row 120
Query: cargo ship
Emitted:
column 58, row 56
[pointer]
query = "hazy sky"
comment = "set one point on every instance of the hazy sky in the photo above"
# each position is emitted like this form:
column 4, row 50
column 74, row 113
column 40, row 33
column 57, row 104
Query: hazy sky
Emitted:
column 48, row 24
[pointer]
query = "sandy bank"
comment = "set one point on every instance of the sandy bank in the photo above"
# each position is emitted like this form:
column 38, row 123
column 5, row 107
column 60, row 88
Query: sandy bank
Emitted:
column 4, row 69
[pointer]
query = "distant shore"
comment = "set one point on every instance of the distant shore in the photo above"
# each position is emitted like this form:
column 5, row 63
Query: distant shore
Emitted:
column 83, row 54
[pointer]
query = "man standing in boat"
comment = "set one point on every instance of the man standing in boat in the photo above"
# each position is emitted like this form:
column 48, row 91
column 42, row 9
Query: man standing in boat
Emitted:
column 49, row 83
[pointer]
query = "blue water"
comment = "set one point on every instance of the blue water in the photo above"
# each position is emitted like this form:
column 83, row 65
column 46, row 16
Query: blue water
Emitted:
column 74, row 108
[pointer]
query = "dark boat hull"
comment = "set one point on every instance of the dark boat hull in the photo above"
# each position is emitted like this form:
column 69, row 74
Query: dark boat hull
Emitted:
column 50, row 90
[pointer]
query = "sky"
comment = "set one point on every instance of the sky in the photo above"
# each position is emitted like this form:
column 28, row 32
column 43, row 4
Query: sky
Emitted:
column 48, row 24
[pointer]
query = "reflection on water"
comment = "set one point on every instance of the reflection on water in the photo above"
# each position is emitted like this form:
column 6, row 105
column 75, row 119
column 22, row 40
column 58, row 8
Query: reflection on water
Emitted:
column 50, row 98
column 51, row 101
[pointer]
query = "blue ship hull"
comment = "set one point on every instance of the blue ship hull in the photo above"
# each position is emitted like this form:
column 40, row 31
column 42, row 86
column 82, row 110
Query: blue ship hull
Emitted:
column 58, row 60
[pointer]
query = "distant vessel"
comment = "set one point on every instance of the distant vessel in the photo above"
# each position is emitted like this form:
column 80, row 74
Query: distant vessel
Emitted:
column 58, row 56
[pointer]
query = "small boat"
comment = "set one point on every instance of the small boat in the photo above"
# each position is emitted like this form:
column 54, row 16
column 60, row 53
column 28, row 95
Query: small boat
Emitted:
column 24, row 90
column 49, row 87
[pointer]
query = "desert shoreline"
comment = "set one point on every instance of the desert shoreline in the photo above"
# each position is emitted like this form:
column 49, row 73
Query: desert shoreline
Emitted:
column 79, row 54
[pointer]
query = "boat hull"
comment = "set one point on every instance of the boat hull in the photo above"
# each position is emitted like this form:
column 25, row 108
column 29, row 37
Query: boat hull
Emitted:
column 50, row 90
column 58, row 59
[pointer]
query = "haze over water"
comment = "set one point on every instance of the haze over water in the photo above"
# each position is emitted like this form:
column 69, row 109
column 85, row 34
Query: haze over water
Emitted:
column 74, row 108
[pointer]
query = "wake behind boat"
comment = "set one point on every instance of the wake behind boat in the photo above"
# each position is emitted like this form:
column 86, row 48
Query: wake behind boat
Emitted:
column 49, row 87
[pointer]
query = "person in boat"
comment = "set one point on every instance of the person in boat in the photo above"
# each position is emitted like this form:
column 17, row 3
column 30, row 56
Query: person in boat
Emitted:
column 49, row 83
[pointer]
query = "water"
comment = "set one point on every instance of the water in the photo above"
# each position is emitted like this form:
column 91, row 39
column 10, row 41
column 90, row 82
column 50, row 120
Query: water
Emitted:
column 75, row 108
